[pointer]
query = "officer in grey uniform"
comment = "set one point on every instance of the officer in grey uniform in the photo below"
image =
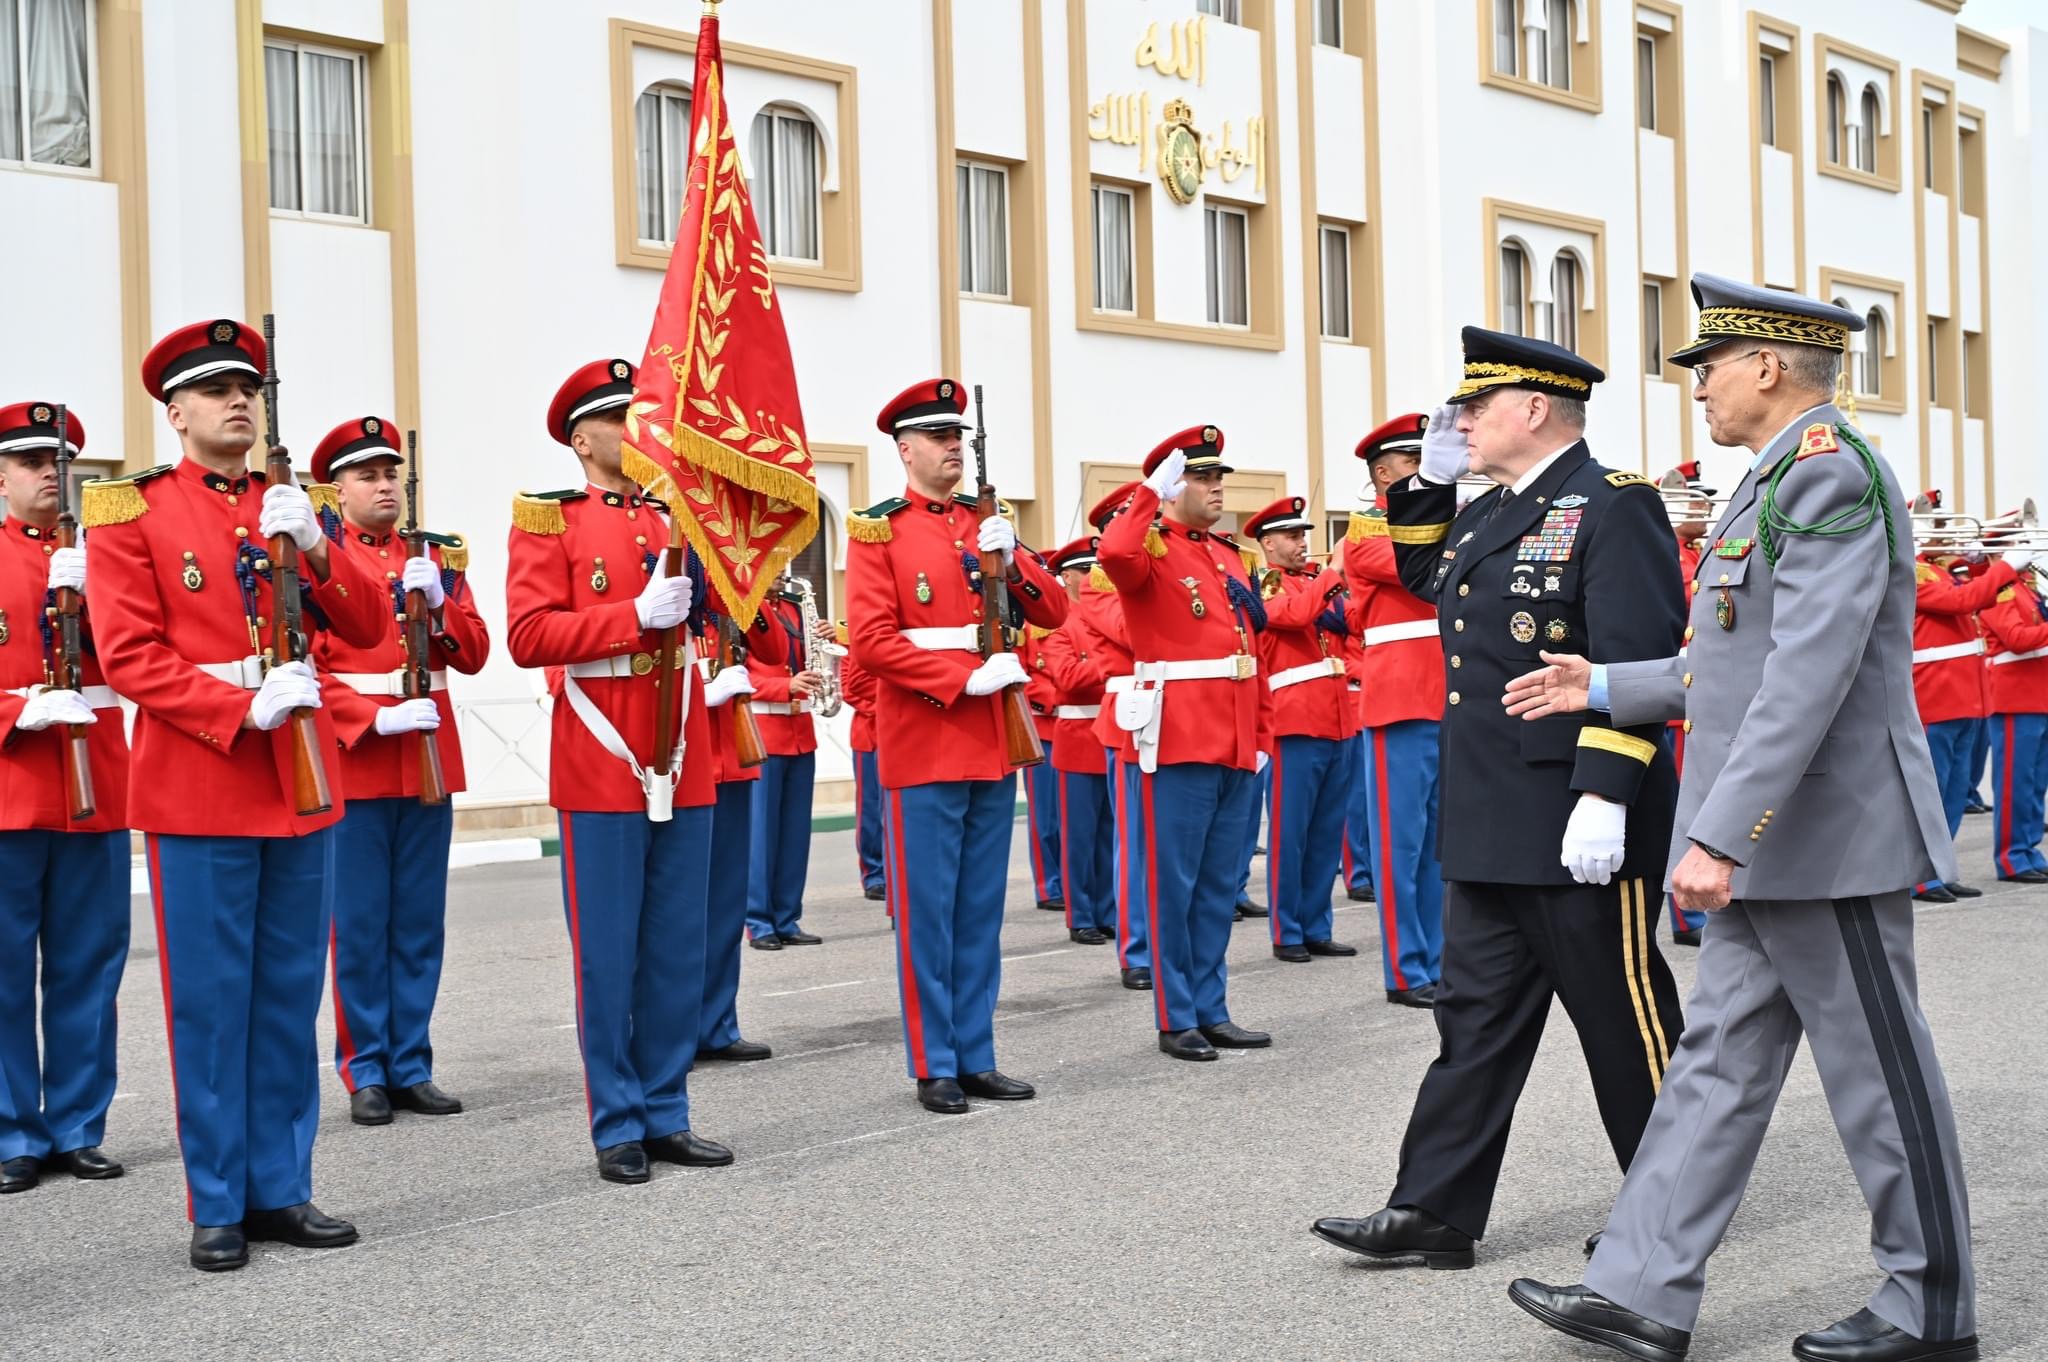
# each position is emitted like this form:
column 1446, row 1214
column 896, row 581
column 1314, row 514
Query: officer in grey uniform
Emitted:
column 1807, row 812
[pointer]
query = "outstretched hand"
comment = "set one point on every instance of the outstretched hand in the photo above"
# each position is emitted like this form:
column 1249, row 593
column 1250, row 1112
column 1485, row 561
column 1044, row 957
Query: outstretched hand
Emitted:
column 1559, row 688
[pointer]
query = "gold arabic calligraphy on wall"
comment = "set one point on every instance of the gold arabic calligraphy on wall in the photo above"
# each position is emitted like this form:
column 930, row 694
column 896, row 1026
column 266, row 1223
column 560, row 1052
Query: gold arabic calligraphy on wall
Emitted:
column 1132, row 119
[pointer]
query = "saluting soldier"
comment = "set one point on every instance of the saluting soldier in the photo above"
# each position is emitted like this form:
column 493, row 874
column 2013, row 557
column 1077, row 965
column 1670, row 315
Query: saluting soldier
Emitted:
column 781, row 855
column 1548, row 831
column 241, row 882
column 390, row 927
column 1086, row 834
column 587, row 598
column 1200, row 721
column 66, row 878
column 914, row 615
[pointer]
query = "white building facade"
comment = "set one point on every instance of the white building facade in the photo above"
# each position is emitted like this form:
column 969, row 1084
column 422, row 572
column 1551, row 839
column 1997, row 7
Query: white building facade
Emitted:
column 1122, row 217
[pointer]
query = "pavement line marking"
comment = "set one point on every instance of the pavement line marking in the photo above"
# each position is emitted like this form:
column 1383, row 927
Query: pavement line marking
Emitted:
column 828, row 1050
column 566, row 1026
column 1037, row 955
column 1042, row 1011
column 818, row 988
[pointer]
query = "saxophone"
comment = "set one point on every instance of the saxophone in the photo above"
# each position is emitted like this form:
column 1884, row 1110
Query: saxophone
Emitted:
column 820, row 655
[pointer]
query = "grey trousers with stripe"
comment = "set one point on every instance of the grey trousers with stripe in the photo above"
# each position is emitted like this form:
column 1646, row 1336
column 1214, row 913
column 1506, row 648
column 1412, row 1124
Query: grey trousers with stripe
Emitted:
column 1841, row 973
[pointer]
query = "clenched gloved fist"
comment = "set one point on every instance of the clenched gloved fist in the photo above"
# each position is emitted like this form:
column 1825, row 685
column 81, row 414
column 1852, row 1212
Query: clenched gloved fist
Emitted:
column 45, row 707
column 665, row 601
column 730, row 683
column 289, row 686
column 67, row 569
column 421, row 575
column 999, row 671
column 409, row 716
column 998, row 536
column 1595, row 839
column 288, row 510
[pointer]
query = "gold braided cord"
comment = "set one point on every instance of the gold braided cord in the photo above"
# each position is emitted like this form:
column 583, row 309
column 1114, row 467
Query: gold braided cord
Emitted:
column 1762, row 324
column 1479, row 377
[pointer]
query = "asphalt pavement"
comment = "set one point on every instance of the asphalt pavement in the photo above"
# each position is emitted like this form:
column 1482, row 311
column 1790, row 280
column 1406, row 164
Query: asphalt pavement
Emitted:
column 1139, row 1208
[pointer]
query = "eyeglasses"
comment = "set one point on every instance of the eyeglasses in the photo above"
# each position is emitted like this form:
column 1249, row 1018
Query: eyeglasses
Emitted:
column 1699, row 371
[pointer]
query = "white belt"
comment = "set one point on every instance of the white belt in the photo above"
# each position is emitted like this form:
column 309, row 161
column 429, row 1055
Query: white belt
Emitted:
column 658, row 785
column 1406, row 629
column 385, row 683
column 633, row 664
column 95, row 697
column 1310, row 671
column 1076, row 711
column 245, row 672
column 2027, row 656
column 1236, row 667
column 781, row 706
column 965, row 638
column 1974, row 648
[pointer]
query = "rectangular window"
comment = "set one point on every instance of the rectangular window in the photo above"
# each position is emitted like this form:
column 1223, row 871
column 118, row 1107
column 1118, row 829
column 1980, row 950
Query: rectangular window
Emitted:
column 1933, row 364
column 661, row 126
column 1767, row 98
column 1507, row 37
column 1115, row 250
column 983, row 200
column 1336, row 252
column 1653, row 329
column 1927, row 146
column 314, row 99
column 1970, row 171
column 1514, row 273
column 1646, row 82
column 46, row 74
column 1557, row 44
column 1226, row 255
column 1226, row 10
column 786, row 184
column 1329, row 22
column 1564, row 287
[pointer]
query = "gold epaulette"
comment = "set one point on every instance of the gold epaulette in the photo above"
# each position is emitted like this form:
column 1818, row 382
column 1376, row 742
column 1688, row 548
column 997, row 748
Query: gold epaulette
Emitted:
column 1923, row 574
column 454, row 549
column 1155, row 542
column 1099, row 579
column 2007, row 594
column 1254, row 563
column 325, row 496
column 538, row 513
column 872, row 525
column 1035, row 631
column 115, row 501
column 1626, row 479
column 1366, row 525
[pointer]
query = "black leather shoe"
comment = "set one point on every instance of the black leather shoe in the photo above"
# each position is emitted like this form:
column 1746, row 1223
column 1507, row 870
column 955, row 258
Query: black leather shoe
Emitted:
column 1231, row 1036
column 1293, row 955
column 1186, row 1045
column 303, row 1225
column 623, row 1163
column 1399, row 1232
column 1362, row 894
column 1593, row 1241
column 877, row 892
column 1587, row 1315
column 2029, row 877
column 798, row 938
column 1976, row 806
column 1422, row 995
column 1933, row 893
column 997, row 1086
column 1087, row 936
column 1685, row 937
column 370, row 1106
column 1139, row 979
column 740, row 1051
column 1329, row 948
column 686, row 1149
column 1053, row 905
column 1865, row 1337
column 941, row 1095
column 219, row 1248
column 765, row 943
column 426, row 1099
column 1963, row 891
column 87, row 1164
column 20, row 1175
column 1246, row 908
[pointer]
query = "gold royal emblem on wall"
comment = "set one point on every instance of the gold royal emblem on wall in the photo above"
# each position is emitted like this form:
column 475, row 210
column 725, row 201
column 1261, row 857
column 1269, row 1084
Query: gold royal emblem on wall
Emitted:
column 1180, row 153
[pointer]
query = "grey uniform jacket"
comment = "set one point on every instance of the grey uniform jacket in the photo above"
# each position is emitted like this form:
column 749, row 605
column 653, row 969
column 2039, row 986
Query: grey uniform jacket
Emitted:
column 1806, row 761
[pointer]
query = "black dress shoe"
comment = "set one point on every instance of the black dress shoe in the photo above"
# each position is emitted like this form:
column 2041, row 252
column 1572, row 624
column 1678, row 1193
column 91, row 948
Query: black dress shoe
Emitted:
column 2030, row 877
column 1087, row 936
column 1329, row 948
column 1933, row 893
column 1963, row 891
column 303, row 1225
column 370, row 1106
column 19, row 1175
column 1362, row 894
column 941, row 1095
column 1246, row 908
column 1422, row 995
column 1865, row 1337
column 1139, row 979
column 1593, row 1241
column 798, row 938
column 686, row 1149
column 877, row 892
column 1231, row 1036
column 426, row 1099
column 1587, row 1315
column 765, row 943
column 1053, row 905
column 1976, row 806
column 1186, row 1045
column 219, row 1248
column 1293, row 955
column 997, row 1086
column 739, row 1052
column 87, row 1164
column 623, row 1163
column 1686, row 936
column 1399, row 1232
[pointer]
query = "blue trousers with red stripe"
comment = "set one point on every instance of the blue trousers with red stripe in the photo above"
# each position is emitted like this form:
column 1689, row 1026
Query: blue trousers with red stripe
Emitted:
column 389, row 937
column 67, row 898
column 1042, row 806
column 1184, row 861
column 1262, row 789
column 1133, row 941
column 1401, row 792
column 1357, row 818
column 634, row 892
column 781, row 842
column 1950, row 743
column 1085, row 840
column 1310, row 783
column 2019, row 775
column 947, row 897
column 242, row 928
column 725, row 913
column 867, row 818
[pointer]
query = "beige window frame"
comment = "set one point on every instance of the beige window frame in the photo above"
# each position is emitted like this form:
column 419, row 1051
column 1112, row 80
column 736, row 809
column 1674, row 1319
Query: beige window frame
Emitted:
column 1881, row 148
column 1888, row 369
column 1582, row 88
column 1591, row 268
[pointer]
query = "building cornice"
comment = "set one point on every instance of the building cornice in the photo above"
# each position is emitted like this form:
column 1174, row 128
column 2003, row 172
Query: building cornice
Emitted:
column 1979, row 53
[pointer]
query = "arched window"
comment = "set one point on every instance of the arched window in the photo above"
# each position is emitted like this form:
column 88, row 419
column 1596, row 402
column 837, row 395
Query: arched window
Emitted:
column 1514, row 289
column 1866, row 136
column 785, row 183
column 1838, row 120
column 661, row 149
column 1873, row 354
column 1564, row 293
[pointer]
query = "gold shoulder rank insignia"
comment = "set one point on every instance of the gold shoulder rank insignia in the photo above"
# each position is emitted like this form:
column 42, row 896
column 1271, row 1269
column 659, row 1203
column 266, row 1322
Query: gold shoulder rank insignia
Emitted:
column 541, row 512
column 2007, row 594
column 1626, row 479
column 115, row 501
column 1818, row 439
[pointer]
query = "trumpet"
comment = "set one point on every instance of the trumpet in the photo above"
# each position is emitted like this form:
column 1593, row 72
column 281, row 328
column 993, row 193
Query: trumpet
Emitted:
column 1684, row 505
column 1944, row 531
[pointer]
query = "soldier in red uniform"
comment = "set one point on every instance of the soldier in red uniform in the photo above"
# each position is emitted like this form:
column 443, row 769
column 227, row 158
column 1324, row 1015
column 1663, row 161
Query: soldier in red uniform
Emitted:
column 781, row 835
column 857, row 688
column 914, row 612
column 241, row 882
column 587, row 598
column 389, row 928
column 2016, row 637
column 66, row 878
column 1692, row 512
column 1200, row 720
column 1074, row 701
column 1041, row 782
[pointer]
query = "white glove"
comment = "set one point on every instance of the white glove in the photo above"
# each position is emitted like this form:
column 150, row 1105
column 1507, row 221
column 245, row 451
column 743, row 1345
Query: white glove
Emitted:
column 1594, row 839
column 998, row 536
column 2018, row 562
column 46, row 707
column 67, row 569
column 1166, row 479
column 421, row 575
column 665, row 600
column 409, row 716
column 999, row 671
column 1444, row 454
column 288, row 510
column 289, row 686
column 730, row 683
column 1265, row 760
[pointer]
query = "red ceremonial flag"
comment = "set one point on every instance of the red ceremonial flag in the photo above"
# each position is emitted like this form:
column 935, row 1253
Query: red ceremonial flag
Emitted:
column 715, row 428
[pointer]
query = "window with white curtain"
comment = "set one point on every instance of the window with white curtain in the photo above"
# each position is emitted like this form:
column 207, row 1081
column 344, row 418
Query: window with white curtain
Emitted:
column 786, row 184
column 1653, row 328
column 46, row 76
column 1767, row 98
column 315, row 107
column 1873, row 354
column 1564, row 293
column 661, row 153
column 1507, row 37
column 1115, row 249
column 983, row 203
column 1226, row 255
column 1226, row 10
column 1557, row 44
column 1336, row 252
column 1514, row 290
column 1329, row 22
column 1866, row 136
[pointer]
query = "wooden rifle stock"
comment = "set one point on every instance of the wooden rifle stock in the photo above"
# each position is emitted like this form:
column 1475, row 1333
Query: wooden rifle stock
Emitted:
column 65, row 675
column 1021, row 745
column 419, row 634
column 747, row 747
column 666, row 672
column 311, row 793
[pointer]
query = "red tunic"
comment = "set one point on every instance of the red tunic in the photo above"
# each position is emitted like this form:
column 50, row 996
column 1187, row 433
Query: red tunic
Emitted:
column 1314, row 708
column 782, row 734
column 32, row 791
column 1957, row 686
column 1404, row 659
column 2013, row 625
column 1101, row 643
column 857, row 685
column 1075, row 681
